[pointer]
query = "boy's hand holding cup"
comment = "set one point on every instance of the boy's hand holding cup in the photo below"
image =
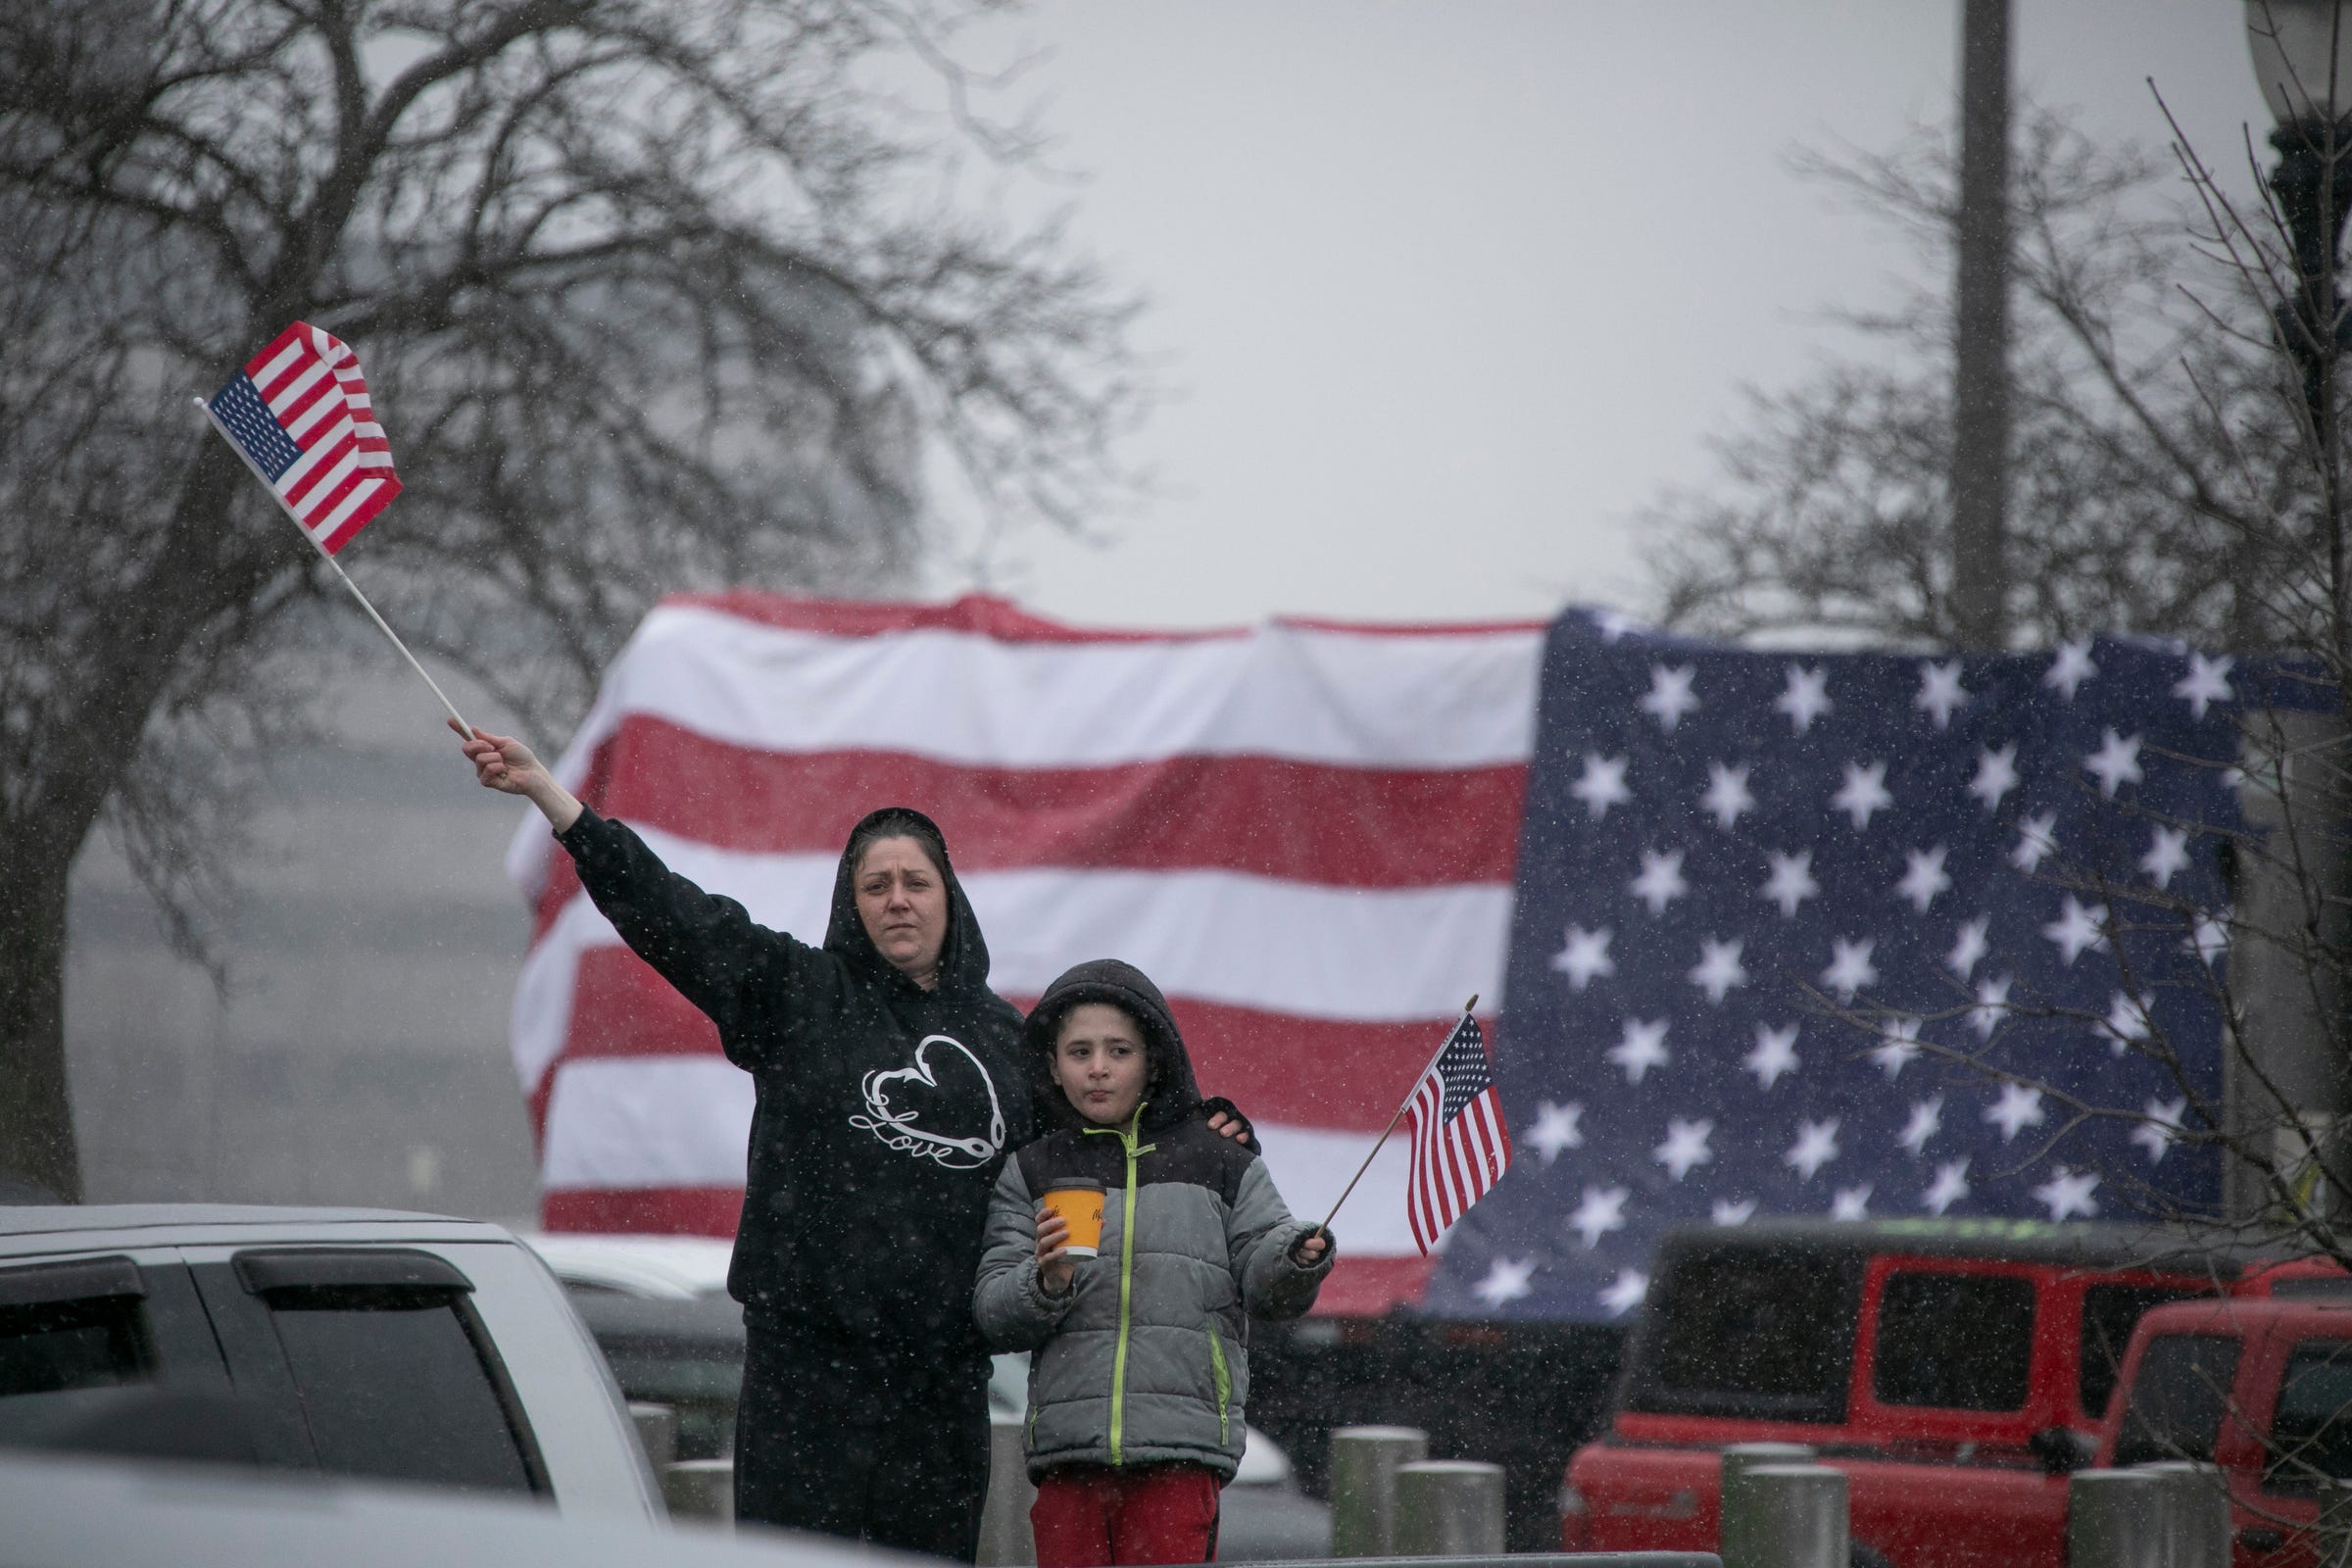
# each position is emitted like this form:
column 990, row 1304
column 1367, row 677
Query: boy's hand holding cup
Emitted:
column 1070, row 1227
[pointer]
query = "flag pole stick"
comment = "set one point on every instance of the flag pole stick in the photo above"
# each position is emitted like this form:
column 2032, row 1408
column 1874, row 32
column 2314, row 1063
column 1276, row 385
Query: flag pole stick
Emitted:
column 1325, row 1227
column 213, row 419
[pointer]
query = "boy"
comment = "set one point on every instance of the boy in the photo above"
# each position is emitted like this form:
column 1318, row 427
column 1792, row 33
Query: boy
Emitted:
column 1138, row 1376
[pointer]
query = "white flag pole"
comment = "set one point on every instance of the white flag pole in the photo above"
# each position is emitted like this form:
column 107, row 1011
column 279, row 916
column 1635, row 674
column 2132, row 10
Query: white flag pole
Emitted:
column 1467, row 1009
column 213, row 419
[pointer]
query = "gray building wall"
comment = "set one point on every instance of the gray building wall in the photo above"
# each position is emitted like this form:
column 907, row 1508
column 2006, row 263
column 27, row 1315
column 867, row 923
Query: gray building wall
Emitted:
column 359, row 1054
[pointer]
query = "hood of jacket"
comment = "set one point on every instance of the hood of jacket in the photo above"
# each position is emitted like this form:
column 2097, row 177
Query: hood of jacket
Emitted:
column 1170, row 1093
column 963, row 956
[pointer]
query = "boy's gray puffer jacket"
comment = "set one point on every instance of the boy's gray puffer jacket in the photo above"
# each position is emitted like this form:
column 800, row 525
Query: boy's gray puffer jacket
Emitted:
column 1145, row 1360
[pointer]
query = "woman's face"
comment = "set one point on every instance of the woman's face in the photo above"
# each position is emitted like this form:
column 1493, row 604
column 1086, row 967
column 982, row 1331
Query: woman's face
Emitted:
column 903, row 902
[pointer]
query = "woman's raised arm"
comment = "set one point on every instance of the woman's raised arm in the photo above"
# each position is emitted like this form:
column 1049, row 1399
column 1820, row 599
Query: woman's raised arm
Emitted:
column 504, row 764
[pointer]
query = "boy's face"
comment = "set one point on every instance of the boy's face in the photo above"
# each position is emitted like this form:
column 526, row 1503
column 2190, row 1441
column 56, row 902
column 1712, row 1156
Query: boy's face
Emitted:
column 1099, row 1061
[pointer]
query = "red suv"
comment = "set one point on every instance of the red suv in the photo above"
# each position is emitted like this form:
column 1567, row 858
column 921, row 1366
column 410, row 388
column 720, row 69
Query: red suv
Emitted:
column 2261, row 1385
column 1956, row 1370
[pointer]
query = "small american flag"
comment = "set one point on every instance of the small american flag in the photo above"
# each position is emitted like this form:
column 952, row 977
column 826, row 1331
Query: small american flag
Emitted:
column 1460, row 1147
column 300, row 412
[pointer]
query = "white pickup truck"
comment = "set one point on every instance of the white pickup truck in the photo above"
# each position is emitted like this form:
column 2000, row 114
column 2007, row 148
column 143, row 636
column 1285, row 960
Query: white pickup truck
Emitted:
column 358, row 1343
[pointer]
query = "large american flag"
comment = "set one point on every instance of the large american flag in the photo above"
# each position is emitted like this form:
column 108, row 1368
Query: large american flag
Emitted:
column 1767, row 901
column 301, row 415
column 1460, row 1143
column 1303, row 831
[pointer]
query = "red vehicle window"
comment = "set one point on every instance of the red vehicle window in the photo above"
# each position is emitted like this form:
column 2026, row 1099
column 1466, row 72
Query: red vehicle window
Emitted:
column 2109, row 1314
column 2310, row 1430
column 1957, row 1341
column 2177, row 1398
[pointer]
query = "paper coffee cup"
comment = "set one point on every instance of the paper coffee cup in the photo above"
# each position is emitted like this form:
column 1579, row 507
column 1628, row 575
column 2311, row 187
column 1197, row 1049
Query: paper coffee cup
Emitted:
column 1078, row 1199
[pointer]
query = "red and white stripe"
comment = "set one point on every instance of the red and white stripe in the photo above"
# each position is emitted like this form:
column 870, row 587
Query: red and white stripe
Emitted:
column 311, row 382
column 1304, row 832
column 1453, row 1162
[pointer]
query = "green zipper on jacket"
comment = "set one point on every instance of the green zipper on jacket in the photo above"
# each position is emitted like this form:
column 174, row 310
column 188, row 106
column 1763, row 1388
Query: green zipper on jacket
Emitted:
column 1217, row 1357
column 1118, row 1362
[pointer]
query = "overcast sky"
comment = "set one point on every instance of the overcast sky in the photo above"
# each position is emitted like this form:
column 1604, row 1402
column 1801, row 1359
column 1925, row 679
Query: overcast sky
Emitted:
column 1448, row 291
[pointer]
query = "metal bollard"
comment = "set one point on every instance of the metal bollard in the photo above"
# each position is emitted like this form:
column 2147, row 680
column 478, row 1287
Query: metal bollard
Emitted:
column 1732, row 1538
column 2196, row 1522
column 700, row 1489
column 2115, row 1519
column 1005, row 1536
column 1363, row 1487
column 1449, row 1508
column 1797, row 1516
column 656, row 1432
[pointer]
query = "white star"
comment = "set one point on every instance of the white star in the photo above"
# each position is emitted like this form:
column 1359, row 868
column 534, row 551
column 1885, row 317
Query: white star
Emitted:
column 2126, row 1023
column 1775, row 1055
column 1670, row 696
column 1586, row 955
column 1733, row 1210
column 1849, row 969
column 1901, row 1037
column 1601, row 785
column 2162, row 1129
column 1718, row 970
column 2168, row 855
column 1791, row 880
column 2070, row 666
column 1992, row 1004
column 1807, row 697
column 1661, row 880
column 2018, row 1109
column 1927, row 1120
column 1926, row 877
column 2067, row 1193
column 1949, row 1187
column 1939, row 691
column 1642, row 1047
column 1601, row 1213
column 1614, row 625
column 2210, row 937
column 2079, row 930
column 1997, row 775
column 1851, row 1202
column 1863, row 792
column 1815, row 1146
column 1556, row 1129
column 1506, row 1281
column 1621, row 1298
column 1685, row 1146
column 2114, row 763
column 2036, row 838
column 1969, row 946
column 2207, row 681
column 1727, row 794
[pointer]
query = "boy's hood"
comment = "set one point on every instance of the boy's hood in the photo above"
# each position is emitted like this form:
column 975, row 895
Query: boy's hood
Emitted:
column 1172, row 1095
column 962, row 957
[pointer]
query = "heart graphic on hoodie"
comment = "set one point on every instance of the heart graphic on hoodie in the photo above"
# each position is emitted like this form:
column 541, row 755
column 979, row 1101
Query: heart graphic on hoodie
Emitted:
column 906, row 1106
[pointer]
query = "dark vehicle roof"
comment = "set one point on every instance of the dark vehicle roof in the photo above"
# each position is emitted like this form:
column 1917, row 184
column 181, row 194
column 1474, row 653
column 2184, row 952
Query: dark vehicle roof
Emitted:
column 2027, row 1241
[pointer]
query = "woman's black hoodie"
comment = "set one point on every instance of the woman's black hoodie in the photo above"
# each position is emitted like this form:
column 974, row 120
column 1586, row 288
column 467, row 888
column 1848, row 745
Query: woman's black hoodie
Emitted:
column 883, row 1111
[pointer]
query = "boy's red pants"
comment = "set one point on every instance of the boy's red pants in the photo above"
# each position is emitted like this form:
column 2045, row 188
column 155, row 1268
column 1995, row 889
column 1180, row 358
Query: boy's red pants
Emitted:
column 1089, row 1517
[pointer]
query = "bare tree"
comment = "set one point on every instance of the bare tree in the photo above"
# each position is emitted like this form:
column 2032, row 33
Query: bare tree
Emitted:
column 652, row 294
column 2148, row 456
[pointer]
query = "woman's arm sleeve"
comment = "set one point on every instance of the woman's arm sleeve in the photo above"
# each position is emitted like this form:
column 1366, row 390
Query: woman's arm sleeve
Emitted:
column 736, row 971
column 1012, row 1308
column 1260, row 1233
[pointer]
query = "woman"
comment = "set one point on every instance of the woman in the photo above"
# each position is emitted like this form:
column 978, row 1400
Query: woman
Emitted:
column 890, row 1085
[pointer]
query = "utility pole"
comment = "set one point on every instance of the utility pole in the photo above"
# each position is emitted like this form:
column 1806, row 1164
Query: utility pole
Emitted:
column 1980, row 473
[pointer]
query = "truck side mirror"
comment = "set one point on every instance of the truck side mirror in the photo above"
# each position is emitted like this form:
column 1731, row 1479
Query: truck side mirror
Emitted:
column 2062, row 1450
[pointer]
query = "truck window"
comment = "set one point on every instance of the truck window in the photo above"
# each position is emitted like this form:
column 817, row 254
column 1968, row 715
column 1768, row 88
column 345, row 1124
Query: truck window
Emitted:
column 1748, row 1333
column 67, row 1330
column 396, row 1378
column 2177, row 1400
column 2109, row 1315
column 2311, row 1431
column 1958, row 1341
